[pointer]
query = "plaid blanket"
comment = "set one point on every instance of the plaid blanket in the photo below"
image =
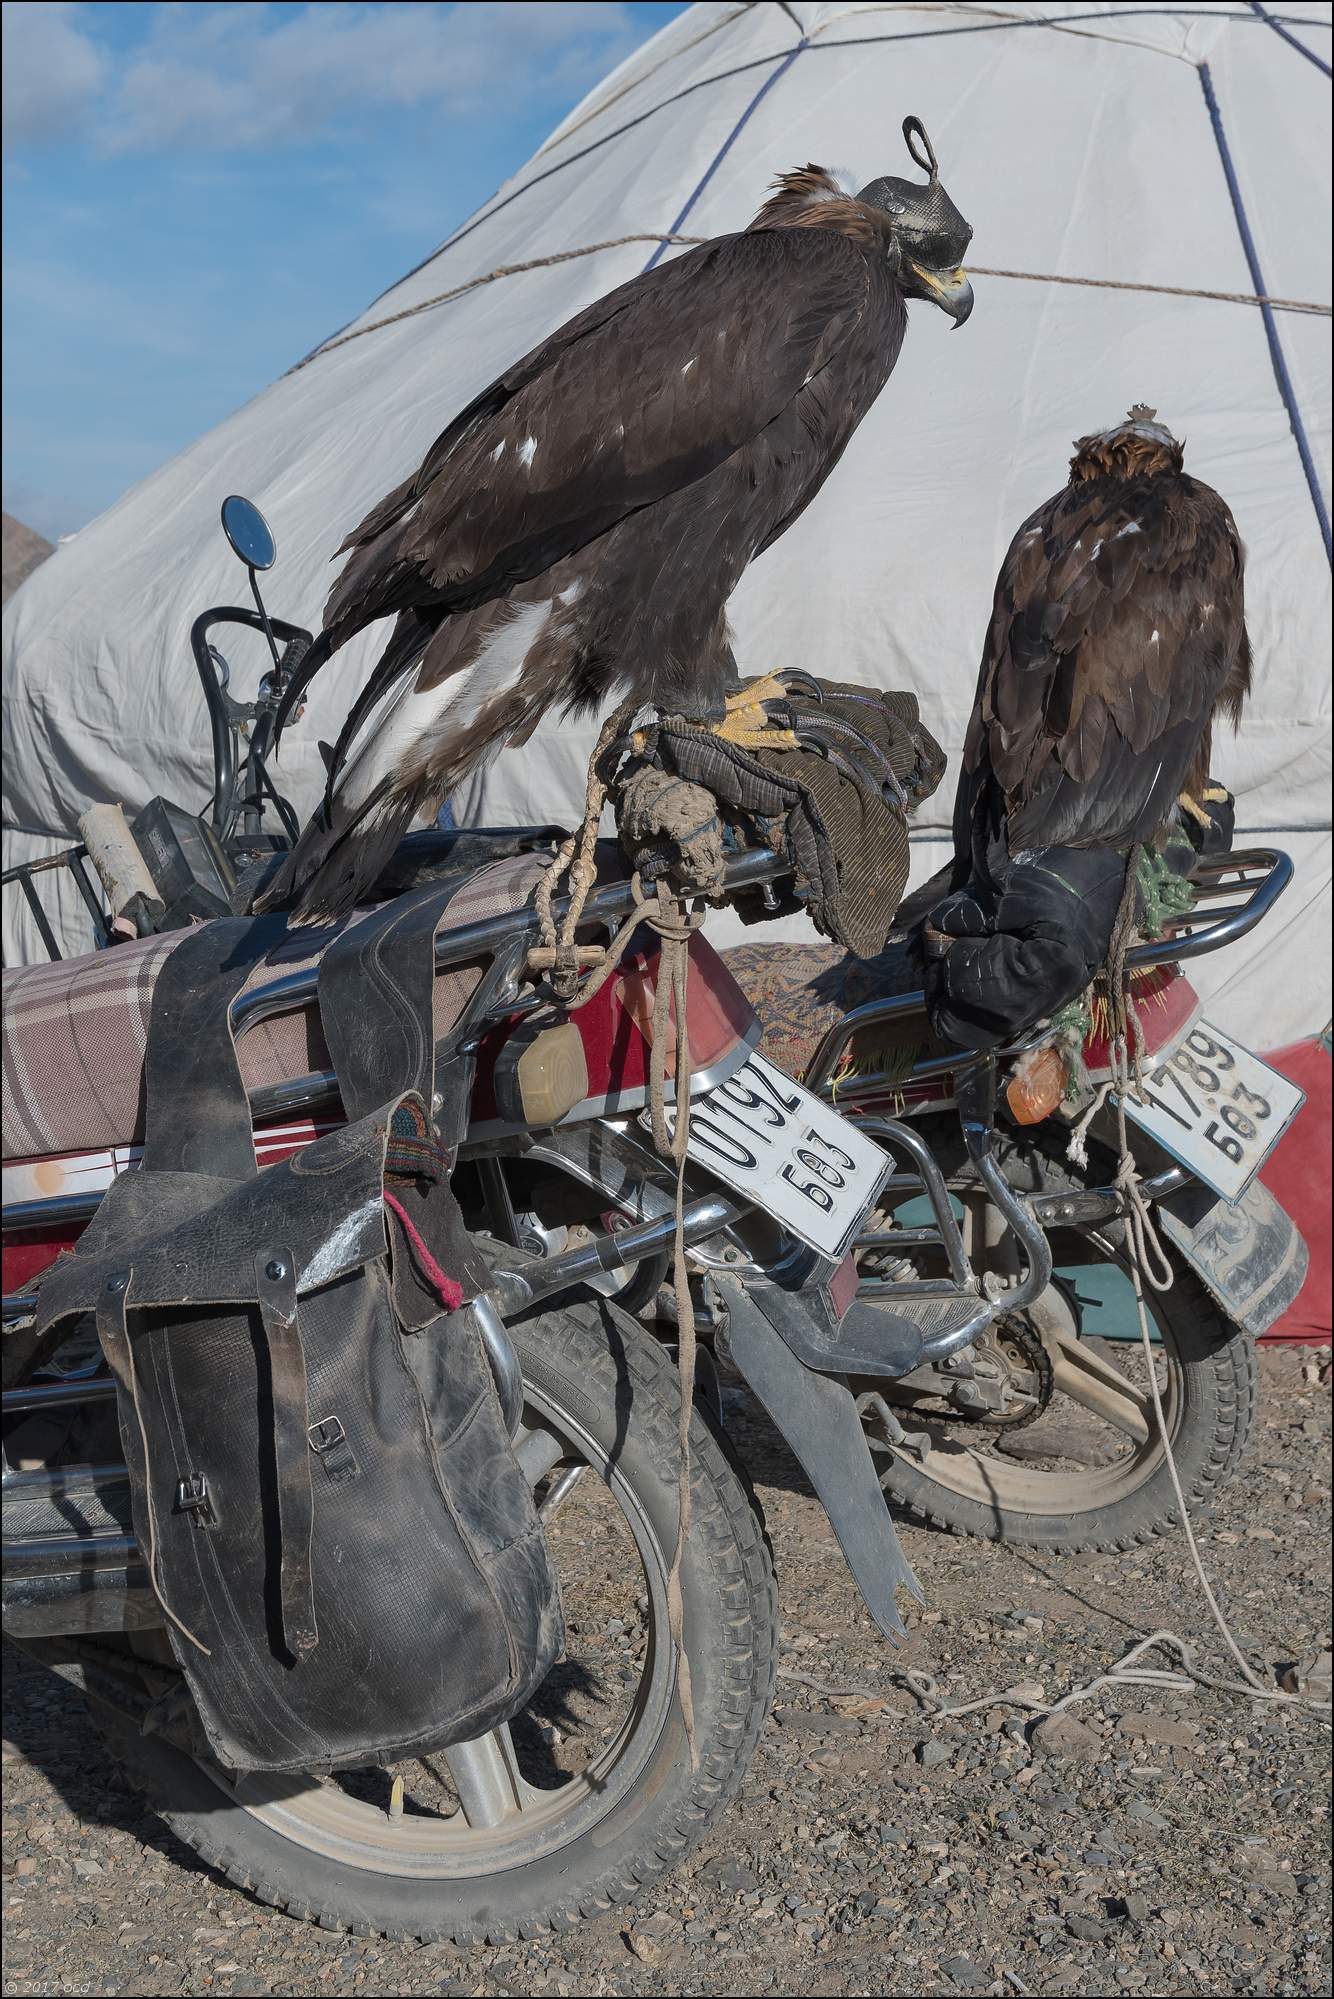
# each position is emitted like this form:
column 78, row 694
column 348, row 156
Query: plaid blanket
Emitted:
column 75, row 1031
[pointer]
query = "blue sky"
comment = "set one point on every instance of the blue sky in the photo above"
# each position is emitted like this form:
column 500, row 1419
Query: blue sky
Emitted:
column 194, row 195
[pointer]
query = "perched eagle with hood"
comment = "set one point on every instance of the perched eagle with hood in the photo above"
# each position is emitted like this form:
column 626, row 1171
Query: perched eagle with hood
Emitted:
column 577, row 530
column 1117, row 638
column 1118, row 634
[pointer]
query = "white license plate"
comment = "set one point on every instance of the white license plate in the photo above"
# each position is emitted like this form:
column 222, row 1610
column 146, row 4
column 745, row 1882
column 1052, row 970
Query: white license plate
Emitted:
column 1216, row 1107
column 813, row 1171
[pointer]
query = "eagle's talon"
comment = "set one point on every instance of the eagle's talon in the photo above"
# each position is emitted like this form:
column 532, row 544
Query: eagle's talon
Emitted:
column 746, row 723
column 1195, row 809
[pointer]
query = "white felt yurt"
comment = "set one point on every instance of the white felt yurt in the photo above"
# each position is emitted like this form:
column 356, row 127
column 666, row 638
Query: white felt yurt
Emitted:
column 1136, row 176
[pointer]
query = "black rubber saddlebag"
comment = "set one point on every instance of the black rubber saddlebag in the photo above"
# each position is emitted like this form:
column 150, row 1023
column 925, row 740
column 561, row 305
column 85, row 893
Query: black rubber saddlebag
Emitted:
column 324, row 1490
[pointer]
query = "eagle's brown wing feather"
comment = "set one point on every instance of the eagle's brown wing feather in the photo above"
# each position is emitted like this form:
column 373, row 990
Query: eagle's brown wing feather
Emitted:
column 1118, row 626
column 636, row 397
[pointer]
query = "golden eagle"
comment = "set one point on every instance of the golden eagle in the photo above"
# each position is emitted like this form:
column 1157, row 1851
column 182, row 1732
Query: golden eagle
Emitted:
column 1118, row 633
column 577, row 530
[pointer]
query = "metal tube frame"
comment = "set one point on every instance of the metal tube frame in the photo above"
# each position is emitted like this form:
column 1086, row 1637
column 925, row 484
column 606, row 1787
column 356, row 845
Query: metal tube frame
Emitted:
column 1214, row 933
column 504, row 941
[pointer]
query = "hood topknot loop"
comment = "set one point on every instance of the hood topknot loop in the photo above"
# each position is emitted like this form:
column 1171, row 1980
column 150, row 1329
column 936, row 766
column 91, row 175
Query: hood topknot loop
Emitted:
column 927, row 225
column 914, row 129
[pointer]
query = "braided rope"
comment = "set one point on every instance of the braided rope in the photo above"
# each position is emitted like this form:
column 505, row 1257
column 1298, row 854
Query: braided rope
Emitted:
column 1148, row 1259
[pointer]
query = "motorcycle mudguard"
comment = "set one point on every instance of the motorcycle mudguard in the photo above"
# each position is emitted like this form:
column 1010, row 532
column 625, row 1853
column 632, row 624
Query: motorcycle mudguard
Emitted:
column 1249, row 1252
column 818, row 1418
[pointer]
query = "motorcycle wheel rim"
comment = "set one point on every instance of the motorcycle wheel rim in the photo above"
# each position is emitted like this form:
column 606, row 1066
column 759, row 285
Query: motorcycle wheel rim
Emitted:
column 321, row 1816
column 987, row 1477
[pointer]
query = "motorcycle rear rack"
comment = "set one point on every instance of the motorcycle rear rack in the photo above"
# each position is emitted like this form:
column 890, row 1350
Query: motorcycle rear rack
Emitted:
column 1262, row 874
column 75, row 861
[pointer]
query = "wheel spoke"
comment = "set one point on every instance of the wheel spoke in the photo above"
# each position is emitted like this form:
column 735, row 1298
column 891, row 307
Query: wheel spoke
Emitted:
column 1099, row 1387
column 538, row 1450
column 486, row 1777
column 559, row 1491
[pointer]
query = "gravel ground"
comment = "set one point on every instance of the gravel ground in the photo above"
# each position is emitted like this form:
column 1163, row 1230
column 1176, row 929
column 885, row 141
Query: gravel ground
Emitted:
column 1166, row 1843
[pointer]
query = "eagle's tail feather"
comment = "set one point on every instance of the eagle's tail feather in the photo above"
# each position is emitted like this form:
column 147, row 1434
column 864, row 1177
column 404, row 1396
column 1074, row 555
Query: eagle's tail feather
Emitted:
column 408, row 641
column 338, row 859
column 345, row 847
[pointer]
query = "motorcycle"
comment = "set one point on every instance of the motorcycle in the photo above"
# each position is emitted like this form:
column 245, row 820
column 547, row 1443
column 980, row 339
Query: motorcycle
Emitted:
column 815, row 1280
column 1042, row 1433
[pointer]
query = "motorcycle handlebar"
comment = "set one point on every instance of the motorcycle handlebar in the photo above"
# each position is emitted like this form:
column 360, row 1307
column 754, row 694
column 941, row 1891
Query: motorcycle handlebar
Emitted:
column 223, row 712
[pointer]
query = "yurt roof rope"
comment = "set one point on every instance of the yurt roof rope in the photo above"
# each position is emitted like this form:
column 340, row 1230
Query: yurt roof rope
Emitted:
column 649, row 236
column 785, row 58
column 1281, row 31
column 577, row 122
column 1276, row 354
column 728, row 143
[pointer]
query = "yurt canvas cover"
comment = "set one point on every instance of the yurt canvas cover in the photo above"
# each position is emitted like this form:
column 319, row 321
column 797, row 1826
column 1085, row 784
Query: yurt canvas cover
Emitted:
column 1123, row 166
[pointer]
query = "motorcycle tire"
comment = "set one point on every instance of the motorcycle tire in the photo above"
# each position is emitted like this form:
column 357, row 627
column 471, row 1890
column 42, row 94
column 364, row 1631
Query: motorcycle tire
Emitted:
column 1212, row 1382
column 606, row 1381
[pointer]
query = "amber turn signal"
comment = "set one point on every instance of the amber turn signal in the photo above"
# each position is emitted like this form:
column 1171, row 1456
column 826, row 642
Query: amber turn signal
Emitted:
column 1038, row 1084
column 540, row 1076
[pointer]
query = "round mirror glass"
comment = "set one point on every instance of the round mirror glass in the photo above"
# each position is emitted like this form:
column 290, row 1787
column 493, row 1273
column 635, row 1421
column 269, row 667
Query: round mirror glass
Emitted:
column 248, row 532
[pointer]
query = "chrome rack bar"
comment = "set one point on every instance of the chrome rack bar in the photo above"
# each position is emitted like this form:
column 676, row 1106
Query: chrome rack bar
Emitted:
column 57, row 1395
column 606, row 905
column 514, row 1290
column 1224, row 926
column 52, row 1213
column 1214, row 932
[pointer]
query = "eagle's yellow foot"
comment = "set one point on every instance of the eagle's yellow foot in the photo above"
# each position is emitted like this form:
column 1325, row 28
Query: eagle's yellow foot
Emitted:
column 746, row 724
column 1213, row 794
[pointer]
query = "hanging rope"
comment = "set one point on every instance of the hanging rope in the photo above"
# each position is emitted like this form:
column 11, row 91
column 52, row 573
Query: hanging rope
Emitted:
column 1148, row 1259
column 564, row 961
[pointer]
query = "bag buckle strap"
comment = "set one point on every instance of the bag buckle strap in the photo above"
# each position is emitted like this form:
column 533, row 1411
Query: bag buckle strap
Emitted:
column 193, row 1497
column 275, row 1293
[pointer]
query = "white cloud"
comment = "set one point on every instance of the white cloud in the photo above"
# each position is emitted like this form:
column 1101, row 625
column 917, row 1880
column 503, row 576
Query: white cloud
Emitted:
column 52, row 70
column 224, row 78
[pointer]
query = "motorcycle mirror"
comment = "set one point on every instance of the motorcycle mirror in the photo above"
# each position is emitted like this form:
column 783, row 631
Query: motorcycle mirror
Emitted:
column 248, row 532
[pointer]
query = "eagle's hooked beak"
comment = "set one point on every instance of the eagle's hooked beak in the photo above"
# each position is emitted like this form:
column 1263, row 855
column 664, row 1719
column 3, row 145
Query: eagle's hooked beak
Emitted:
column 950, row 290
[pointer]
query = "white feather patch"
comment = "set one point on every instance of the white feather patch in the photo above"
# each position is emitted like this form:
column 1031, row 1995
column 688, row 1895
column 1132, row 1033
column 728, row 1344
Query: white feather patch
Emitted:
column 528, row 451
column 406, row 715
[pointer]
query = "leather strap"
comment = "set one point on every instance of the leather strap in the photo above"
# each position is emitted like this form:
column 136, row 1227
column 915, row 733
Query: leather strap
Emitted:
column 197, row 1117
column 112, row 1320
column 275, row 1289
column 376, row 981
